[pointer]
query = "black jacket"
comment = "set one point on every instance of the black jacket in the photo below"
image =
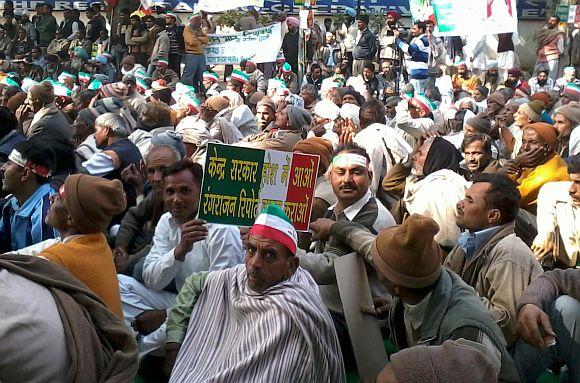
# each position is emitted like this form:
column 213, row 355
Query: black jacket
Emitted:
column 366, row 48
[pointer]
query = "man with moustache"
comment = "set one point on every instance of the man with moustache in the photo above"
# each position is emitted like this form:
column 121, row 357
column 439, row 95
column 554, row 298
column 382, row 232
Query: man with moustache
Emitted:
column 478, row 155
column 489, row 256
column 269, row 292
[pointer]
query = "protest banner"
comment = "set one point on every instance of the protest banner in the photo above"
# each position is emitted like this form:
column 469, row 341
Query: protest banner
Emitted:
column 213, row 6
column 239, row 182
column 260, row 45
column 465, row 18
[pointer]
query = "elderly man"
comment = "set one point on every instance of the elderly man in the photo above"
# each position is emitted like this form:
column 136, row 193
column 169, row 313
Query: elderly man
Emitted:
column 559, row 219
column 300, row 344
column 135, row 234
column 117, row 152
column 211, row 83
column 25, row 176
column 490, row 77
column 435, row 315
column 182, row 245
column 290, row 124
column 538, row 163
column 549, row 326
column 489, row 256
column 46, row 117
column 429, row 184
column 219, row 126
column 81, row 211
column 566, row 119
column 256, row 75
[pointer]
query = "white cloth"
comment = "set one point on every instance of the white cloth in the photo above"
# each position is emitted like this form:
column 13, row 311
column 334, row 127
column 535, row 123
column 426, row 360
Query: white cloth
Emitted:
column 281, row 335
column 445, row 86
column 221, row 249
column 135, row 299
column 436, row 196
column 385, row 147
column 33, row 346
column 574, row 146
column 99, row 164
column 555, row 210
column 518, row 134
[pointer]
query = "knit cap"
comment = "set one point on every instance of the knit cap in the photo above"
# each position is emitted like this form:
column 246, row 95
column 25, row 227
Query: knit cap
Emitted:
column 533, row 110
column 571, row 111
column 274, row 224
column 93, row 201
column 217, row 103
column 407, row 254
column 546, row 131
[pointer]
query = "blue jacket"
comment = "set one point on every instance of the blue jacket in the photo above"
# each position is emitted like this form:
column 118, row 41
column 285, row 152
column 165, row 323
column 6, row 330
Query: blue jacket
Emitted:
column 22, row 226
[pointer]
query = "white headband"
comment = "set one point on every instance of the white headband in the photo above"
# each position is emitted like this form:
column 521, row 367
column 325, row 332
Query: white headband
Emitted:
column 346, row 159
column 17, row 157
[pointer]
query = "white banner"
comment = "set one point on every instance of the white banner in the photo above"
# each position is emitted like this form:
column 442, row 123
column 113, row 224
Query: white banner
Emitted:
column 213, row 6
column 465, row 18
column 259, row 45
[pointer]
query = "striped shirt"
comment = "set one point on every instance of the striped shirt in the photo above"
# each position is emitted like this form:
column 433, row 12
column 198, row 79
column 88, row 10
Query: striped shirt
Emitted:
column 236, row 335
column 419, row 51
column 22, row 226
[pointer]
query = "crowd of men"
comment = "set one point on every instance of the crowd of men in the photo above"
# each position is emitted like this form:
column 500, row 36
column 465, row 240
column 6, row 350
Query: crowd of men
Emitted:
column 458, row 184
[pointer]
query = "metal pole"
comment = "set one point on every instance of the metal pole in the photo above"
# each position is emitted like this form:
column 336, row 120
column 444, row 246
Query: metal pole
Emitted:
column 358, row 7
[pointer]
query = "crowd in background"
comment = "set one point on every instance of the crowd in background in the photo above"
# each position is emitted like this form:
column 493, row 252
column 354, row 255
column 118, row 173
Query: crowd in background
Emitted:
column 455, row 176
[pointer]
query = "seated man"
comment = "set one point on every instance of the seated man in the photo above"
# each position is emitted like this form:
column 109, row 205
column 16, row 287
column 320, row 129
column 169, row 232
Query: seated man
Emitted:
column 478, row 155
column 287, row 130
column 463, row 81
column 162, row 72
column 490, row 257
column 135, row 234
column 54, row 329
column 538, row 163
column 549, row 326
column 81, row 211
column 117, row 152
column 266, row 114
column 270, row 292
column 26, row 177
column 559, row 219
column 350, row 177
column 541, row 82
column 182, row 245
column 432, row 305
column 429, row 184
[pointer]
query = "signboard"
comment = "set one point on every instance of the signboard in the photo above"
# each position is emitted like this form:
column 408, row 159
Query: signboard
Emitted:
column 574, row 14
column 463, row 18
column 260, row 45
column 532, row 9
column 239, row 182
column 212, row 6
column 562, row 11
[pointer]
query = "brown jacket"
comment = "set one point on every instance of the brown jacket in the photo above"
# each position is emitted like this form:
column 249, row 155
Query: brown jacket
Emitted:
column 194, row 41
column 499, row 271
column 283, row 140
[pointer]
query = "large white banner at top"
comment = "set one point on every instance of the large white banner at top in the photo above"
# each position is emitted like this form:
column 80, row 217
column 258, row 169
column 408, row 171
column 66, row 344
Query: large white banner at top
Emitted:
column 259, row 45
column 213, row 6
column 467, row 17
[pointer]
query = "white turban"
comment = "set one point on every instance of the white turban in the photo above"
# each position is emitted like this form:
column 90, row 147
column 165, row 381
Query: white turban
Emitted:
column 327, row 109
column 350, row 111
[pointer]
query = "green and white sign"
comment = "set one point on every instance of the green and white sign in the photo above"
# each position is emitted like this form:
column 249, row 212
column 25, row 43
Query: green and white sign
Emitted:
column 238, row 182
